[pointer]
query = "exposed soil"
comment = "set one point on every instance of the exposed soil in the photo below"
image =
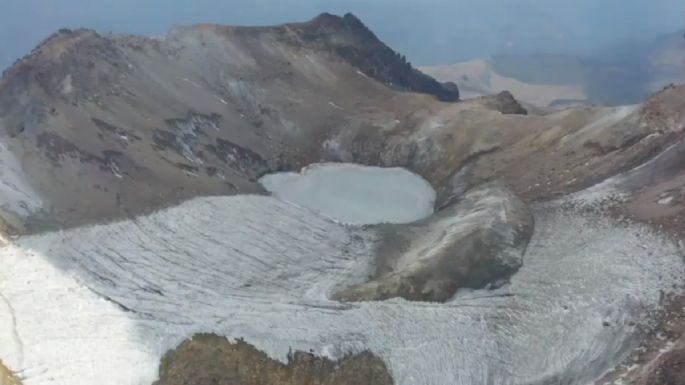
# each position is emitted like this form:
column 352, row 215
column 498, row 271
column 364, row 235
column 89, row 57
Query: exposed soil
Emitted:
column 212, row 360
column 6, row 376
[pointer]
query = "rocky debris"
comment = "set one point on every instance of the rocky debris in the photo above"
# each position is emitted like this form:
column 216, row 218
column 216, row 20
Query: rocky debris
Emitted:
column 470, row 244
column 239, row 158
column 208, row 359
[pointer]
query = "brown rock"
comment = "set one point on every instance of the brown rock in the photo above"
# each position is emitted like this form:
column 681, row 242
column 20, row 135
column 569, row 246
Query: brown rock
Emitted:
column 208, row 359
column 6, row 376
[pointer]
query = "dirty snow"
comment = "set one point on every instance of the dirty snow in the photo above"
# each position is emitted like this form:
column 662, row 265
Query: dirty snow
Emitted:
column 67, row 85
column 101, row 305
column 607, row 117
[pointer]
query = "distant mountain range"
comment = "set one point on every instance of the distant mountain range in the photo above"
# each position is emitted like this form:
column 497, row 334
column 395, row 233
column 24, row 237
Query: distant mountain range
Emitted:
column 623, row 74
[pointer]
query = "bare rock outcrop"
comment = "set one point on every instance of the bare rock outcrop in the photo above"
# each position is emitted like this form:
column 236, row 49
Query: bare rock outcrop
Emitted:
column 209, row 359
column 101, row 127
column 505, row 103
column 474, row 242
column 353, row 41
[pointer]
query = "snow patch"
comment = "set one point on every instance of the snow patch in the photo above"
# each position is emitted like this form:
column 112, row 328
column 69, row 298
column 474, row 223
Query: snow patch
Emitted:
column 666, row 201
column 67, row 85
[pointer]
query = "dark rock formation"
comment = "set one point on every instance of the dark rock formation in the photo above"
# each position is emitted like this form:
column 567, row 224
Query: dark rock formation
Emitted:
column 212, row 360
column 472, row 243
column 505, row 103
column 358, row 45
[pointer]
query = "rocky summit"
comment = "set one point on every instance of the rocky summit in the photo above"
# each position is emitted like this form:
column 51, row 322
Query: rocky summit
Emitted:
column 140, row 246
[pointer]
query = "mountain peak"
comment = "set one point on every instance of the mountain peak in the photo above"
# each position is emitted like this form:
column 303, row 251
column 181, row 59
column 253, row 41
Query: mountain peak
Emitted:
column 354, row 42
column 349, row 23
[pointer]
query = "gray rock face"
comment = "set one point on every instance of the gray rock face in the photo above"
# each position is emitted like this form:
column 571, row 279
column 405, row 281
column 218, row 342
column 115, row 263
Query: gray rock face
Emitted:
column 471, row 243
column 354, row 42
column 99, row 127
column 505, row 103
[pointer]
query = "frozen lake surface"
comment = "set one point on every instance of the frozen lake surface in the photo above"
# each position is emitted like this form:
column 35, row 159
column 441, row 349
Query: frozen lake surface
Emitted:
column 355, row 194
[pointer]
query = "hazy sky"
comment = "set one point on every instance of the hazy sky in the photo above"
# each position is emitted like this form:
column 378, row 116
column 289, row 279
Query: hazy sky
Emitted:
column 427, row 31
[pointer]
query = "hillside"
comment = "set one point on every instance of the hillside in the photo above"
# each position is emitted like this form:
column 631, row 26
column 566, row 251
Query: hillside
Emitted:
column 204, row 111
column 140, row 247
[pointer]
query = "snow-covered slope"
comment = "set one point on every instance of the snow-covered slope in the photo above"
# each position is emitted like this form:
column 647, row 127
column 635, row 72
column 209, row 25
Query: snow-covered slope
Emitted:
column 101, row 305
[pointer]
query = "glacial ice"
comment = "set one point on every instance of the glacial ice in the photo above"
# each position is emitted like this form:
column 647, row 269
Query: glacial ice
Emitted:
column 102, row 304
column 356, row 194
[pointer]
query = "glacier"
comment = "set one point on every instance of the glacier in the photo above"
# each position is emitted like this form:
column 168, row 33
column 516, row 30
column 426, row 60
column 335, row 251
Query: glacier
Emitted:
column 102, row 304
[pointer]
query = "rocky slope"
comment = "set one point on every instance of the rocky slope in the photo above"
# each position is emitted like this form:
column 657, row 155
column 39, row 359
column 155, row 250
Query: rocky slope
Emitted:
column 470, row 244
column 204, row 111
column 100, row 129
